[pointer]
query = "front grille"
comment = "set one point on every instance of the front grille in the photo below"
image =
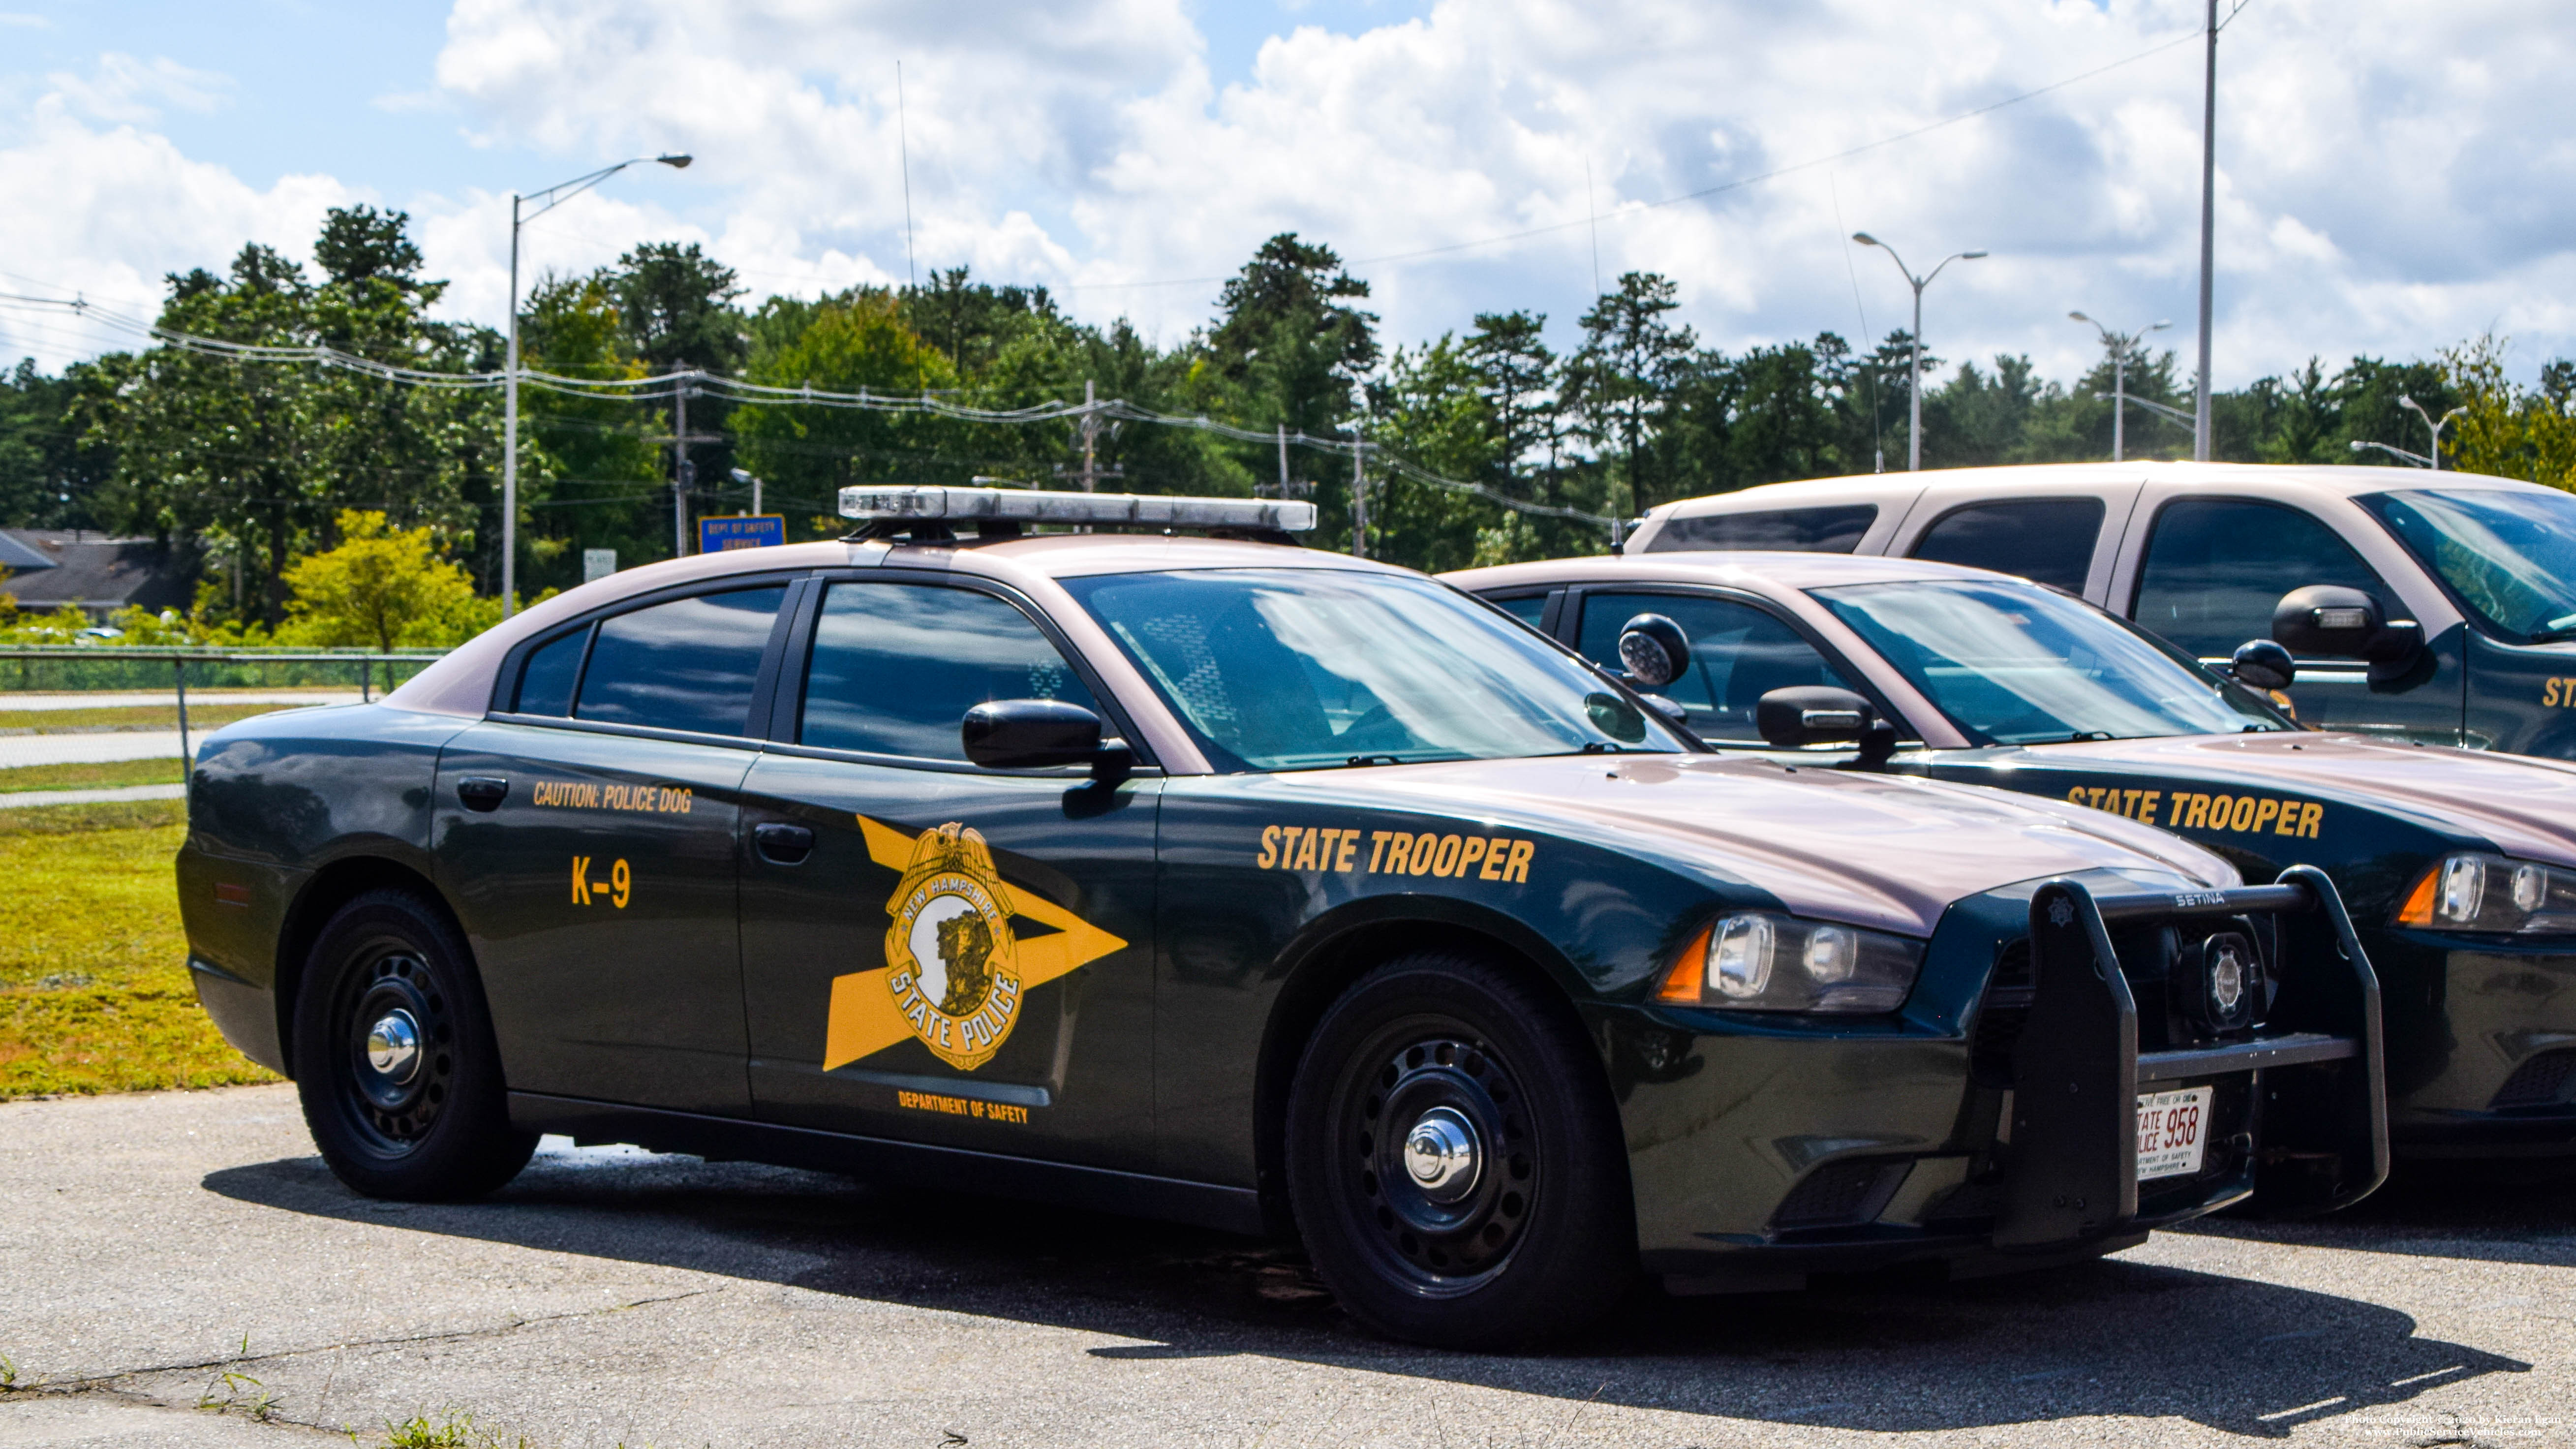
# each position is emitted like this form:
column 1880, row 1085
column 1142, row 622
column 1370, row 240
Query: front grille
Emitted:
column 1842, row 1194
column 2545, row 1080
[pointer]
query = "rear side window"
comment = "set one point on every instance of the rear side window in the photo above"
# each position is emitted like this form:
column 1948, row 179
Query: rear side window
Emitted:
column 2046, row 540
column 1796, row 530
column 2216, row 568
column 686, row 665
column 896, row 667
column 545, row 685
column 1738, row 654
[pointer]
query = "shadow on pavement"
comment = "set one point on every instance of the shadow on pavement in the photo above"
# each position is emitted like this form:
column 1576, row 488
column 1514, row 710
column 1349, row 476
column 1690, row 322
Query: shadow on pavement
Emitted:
column 2429, row 1211
column 2109, row 1338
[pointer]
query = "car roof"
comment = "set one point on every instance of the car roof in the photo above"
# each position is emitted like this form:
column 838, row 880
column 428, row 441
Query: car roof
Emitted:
column 461, row 682
column 2336, row 480
column 1741, row 568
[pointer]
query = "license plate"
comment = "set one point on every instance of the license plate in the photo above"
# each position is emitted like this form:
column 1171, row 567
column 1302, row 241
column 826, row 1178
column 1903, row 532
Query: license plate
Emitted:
column 2172, row 1129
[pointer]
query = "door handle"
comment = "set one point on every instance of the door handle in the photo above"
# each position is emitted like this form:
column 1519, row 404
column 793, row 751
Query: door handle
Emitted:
column 782, row 844
column 482, row 792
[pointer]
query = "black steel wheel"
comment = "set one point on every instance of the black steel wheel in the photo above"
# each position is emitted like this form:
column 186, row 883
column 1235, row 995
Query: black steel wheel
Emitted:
column 394, row 1057
column 1454, row 1160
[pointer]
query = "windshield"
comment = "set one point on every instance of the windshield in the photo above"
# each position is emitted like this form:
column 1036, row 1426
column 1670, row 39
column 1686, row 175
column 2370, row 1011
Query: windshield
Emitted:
column 2508, row 556
column 2015, row 664
column 1301, row 669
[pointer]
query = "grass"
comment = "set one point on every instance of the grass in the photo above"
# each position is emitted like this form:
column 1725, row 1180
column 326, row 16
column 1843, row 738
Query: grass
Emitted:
column 94, row 989
column 91, row 777
column 128, row 717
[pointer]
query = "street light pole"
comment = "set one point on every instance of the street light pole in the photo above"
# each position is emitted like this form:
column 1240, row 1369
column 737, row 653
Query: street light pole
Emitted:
column 2433, row 455
column 553, row 196
column 2200, row 425
column 2120, row 344
column 1914, row 368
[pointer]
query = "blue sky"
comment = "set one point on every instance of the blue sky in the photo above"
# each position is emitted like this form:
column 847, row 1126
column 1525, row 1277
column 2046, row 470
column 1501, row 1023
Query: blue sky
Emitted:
column 2386, row 186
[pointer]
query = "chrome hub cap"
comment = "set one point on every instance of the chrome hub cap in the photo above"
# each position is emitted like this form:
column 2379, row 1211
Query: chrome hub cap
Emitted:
column 400, row 1045
column 393, row 1046
column 1440, row 1152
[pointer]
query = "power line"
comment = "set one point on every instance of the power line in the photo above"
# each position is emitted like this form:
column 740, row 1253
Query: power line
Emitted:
column 694, row 381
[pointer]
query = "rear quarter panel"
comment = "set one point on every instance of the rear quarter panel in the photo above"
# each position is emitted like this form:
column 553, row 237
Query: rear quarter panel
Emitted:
column 272, row 802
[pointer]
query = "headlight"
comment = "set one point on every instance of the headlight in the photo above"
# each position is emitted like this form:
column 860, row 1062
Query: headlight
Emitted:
column 1758, row 961
column 2491, row 893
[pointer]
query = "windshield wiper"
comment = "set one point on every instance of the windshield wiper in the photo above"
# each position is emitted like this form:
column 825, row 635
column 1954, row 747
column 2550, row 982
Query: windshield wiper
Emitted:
column 1359, row 760
column 2563, row 627
column 2081, row 736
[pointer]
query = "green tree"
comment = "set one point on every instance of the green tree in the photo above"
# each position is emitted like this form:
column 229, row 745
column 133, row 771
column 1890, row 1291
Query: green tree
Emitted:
column 2509, row 431
column 382, row 588
column 1621, row 384
column 810, row 453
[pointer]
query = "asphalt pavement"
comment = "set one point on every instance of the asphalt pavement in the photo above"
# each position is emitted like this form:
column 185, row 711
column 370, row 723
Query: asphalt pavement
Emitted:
column 179, row 1269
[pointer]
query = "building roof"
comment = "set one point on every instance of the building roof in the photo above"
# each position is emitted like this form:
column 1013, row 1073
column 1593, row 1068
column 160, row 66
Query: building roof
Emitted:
column 93, row 571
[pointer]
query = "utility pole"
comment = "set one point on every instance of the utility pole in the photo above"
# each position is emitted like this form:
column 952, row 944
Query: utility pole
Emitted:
column 684, row 474
column 1090, row 440
column 680, row 478
column 1087, row 428
column 1359, row 493
column 2200, row 419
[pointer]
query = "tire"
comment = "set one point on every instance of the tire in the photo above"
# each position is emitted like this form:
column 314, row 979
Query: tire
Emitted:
column 426, row 1117
column 1529, row 1234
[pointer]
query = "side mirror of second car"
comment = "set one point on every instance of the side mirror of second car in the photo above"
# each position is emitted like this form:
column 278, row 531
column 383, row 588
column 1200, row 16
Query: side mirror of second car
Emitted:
column 1653, row 650
column 2262, row 664
column 1036, row 734
column 1811, row 714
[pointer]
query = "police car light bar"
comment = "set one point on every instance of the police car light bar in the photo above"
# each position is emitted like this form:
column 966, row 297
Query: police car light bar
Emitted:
column 1024, row 505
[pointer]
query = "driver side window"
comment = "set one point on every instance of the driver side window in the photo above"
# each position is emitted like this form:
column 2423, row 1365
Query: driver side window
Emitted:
column 2216, row 568
column 896, row 667
column 1738, row 654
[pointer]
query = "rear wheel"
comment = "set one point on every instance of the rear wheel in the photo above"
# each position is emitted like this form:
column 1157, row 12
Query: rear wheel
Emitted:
column 394, row 1056
column 1454, row 1160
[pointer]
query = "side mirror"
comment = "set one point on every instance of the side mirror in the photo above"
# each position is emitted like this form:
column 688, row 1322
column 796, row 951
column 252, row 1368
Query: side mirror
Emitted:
column 1034, row 734
column 1654, row 651
column 1811, row 714
column 2324, row 619
column 2262, row 664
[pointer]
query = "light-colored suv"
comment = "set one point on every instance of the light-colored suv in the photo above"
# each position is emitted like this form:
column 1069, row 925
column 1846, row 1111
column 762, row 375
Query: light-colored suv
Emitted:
column 2439, row 607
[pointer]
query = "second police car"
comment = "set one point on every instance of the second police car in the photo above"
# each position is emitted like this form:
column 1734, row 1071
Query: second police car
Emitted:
column 1253, row 886
column 2458, row 865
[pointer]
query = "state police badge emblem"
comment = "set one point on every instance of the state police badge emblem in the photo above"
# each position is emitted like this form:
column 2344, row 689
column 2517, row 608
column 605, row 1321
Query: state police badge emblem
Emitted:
column 955, row 969
column 954, row 973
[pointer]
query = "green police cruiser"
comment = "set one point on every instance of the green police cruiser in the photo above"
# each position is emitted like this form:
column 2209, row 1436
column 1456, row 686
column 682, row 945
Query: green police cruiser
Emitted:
column 2458, row 865
column 1155, row 864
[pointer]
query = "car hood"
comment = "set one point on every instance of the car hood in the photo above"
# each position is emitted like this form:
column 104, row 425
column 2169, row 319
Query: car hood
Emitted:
column 2525, row 807
column 1865, row 849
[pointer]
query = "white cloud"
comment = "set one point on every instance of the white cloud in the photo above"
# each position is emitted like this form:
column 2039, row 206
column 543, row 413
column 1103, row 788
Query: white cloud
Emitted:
column 122, row 88
column 120, row 208
column 2386, row 185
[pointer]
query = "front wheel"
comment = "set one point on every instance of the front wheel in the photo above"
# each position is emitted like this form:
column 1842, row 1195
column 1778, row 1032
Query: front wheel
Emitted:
column 394, row 1057
column 1454, row 1160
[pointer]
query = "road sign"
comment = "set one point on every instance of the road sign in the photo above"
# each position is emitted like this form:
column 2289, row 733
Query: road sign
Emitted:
column 597, row 563
column 756, row 530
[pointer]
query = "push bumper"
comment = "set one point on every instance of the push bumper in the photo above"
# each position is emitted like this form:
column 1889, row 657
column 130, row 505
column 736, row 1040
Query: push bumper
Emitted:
column 2317, row 1121
column 2039, row 1163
